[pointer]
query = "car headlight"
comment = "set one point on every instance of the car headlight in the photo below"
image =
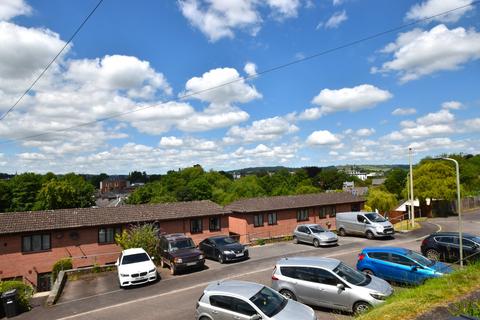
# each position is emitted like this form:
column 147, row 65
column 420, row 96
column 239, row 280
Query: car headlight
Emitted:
column 228, row 252
column 379, row 229
column 378, row 296
column 124, row 275
column 200, row 257
column 153, row 270
column 178, row 260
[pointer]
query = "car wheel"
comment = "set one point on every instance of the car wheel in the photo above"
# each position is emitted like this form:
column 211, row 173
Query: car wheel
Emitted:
column 368, row 271
column 204, row 318
column 173, row 269
column 433, row 254
column 288, row 294
column 220, row 258
column 341, row 232
column 370, row 235
column 295, row 240
column 316, row 243
column 361, row 307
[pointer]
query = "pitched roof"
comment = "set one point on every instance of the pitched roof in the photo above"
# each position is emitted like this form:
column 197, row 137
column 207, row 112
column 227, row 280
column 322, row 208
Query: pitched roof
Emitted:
column 292, row 202
column 16, row 222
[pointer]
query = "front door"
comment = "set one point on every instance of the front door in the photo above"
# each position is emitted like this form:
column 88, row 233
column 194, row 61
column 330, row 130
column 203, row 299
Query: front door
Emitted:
column 330, row 295
column 44, row 282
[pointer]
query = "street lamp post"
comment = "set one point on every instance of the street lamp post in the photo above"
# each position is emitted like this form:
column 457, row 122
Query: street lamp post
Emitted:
column 459, row 206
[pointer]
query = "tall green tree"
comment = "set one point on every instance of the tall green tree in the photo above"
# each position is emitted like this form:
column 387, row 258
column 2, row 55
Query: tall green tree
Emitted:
column 381, row 199
column 56, row 194
column 433, row 180
column 396, row 181
column 5, row 196
column 24, row 190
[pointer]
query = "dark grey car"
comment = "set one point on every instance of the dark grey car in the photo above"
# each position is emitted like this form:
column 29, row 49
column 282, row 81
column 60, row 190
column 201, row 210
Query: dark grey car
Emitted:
column 314, row 234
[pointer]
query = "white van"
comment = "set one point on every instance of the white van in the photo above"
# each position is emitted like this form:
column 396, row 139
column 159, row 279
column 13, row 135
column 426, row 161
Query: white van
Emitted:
column 370, row 224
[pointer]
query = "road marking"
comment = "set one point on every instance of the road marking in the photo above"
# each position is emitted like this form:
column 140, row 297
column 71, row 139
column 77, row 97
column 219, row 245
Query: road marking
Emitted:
column 336, row 254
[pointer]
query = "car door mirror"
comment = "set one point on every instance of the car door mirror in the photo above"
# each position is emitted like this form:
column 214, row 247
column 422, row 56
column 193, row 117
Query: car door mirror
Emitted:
column 256, row 317
column 414, row 268
column 341, row 286
column 153, row 258
column 117, row 263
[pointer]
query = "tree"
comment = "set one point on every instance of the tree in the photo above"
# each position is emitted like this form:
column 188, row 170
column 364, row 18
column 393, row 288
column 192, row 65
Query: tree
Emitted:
column 331, row 179
column 84, row 191
column 5, row 196
column 395, row 182
column 56, row 195
column 381, row 199
column 137, row 176
column 140, row 236
column 433, row 180
column 24, row 189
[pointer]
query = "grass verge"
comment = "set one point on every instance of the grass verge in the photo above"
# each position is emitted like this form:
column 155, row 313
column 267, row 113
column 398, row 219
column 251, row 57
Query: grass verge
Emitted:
column 406, row 226
column 411, row 303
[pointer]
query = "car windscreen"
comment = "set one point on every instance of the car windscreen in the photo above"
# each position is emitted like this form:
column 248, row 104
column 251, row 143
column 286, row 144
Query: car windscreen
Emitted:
column 317, row 229
column 351, row 275
column 419, row 258
column 182, row 244
column 223, row 241
column 476, row 240
column 375, row 217
column 269, row 301
column 135, row 258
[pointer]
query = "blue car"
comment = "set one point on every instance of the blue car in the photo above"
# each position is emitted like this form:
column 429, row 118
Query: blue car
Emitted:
column 399, row 265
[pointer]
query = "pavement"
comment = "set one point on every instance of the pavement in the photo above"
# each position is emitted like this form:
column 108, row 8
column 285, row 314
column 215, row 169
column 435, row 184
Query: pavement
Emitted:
column 174, row 297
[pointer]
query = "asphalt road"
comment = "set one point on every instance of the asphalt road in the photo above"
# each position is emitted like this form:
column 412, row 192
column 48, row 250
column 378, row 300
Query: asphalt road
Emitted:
column 174, row 297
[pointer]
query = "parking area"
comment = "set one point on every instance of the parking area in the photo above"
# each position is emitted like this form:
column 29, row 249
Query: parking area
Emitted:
column 174, row 297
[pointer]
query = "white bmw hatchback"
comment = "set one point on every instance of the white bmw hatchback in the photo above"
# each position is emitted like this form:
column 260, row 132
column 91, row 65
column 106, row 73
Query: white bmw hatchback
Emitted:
column 135, row 267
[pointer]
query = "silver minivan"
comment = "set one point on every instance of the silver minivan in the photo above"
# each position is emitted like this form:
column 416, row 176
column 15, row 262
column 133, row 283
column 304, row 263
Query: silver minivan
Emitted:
column 328, row 283
column 314, row 234
column 242, row 300
column 369, row 224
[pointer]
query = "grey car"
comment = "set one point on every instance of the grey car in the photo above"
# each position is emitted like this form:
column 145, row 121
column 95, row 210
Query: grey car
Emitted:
column 244, row 300
column 328, row 283
column 314, row 234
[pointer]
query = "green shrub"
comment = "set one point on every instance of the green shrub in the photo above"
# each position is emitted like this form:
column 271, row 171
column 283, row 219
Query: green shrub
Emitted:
column 62, row 264
column 261, row 242
column 288, row 238
column 24, row 292
column 469, row 308
column 96, row 268
column 140, row 236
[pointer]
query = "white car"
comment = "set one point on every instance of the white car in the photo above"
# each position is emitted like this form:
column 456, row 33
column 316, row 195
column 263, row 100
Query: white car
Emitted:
column 134, row 267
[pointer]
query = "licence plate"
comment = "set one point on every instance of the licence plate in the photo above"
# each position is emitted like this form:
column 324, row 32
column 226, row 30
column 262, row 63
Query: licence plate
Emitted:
column 239, row 255
column 389, row 232
column 191, row 263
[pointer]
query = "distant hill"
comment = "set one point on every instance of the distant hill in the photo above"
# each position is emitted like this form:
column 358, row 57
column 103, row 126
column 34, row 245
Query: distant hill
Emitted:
column 254, row 170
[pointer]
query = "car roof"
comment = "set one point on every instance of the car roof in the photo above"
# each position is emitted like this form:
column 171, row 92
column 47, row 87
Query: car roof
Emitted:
column 175, row 236
column 243, row 289
column 386, row 249
column 218, row 237
column 445, row 233
column 309, row 225
column 130, row 251
column 326, row 263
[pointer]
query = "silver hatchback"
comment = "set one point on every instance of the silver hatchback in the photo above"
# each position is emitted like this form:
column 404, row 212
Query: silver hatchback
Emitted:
column 328, row 283
column 243, row 300
column 314, row 234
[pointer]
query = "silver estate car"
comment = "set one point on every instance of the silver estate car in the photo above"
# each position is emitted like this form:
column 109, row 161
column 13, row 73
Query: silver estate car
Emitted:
column 243, row 300
column 328, row 283
column 314, row 234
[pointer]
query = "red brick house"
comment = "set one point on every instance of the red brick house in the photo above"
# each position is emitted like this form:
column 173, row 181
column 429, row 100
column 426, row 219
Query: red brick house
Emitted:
column 31, row 242
column 267, row 217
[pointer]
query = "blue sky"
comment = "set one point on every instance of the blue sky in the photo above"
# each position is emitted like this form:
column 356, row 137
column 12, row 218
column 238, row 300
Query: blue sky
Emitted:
column 368, row 103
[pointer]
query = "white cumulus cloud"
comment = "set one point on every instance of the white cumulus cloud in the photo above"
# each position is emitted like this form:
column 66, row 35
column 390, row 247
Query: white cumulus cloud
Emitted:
column 261, row 130
column 336, row 20
column 404, row 111
column 321, row 138
column 13, row 8
column 431, row 8
column 250, row 68
column 418, row 53
column 351, row 99
column 452, row 105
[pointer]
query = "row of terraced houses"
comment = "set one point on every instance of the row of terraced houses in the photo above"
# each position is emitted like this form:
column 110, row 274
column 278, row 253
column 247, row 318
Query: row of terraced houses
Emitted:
column 31, row 242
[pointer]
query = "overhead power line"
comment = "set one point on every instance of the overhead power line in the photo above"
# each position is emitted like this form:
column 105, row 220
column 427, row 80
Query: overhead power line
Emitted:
column 52, row 61
column 269, row 70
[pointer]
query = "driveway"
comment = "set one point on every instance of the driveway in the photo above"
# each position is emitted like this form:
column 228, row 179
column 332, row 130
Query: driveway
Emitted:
column 174, row 297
